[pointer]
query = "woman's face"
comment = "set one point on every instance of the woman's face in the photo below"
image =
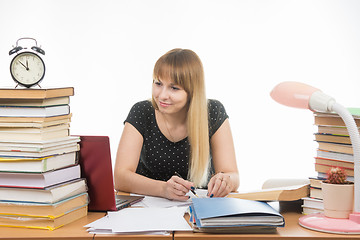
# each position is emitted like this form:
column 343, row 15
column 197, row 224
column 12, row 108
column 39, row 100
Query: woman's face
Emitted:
column 170, row 98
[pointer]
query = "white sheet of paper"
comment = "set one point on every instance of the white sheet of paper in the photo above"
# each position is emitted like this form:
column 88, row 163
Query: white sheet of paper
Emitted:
column 150, row 201
column 141, row 220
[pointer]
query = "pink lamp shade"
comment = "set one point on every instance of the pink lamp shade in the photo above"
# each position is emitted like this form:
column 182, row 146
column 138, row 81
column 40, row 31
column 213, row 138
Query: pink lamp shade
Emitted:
column 293, row 94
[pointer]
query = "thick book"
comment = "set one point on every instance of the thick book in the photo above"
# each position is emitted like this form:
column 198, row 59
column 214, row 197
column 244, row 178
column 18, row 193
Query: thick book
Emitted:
column 335, row 155
column 335, row 130
column 313, row 203
column 39, row 180
column 333, row 119
column 52, row 210
column 50, row 111
column 233, row 214
column 34, row 93
column 309, row 210
column 36, row 146
column 316, row 181
column 332, row 138
column 35, row 102
column 277, row 190
column 24, row 130
column 47, row 195
column 36, row 122
column 73, row 147
column 336, row 147
column 43, row 222
column 335, row 163
column 316, row 192
column 37, row 165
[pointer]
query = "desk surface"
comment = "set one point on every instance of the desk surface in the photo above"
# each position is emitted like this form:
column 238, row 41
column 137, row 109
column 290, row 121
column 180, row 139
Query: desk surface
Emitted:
column 71, row 231
column 292, row 230
column 75, row 230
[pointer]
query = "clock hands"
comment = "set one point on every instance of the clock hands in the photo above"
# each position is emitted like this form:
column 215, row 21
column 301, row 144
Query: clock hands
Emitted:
column 26, row 67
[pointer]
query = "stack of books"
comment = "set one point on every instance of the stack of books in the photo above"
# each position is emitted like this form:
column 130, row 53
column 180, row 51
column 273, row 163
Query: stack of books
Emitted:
column 40, row 178
column 334, row 149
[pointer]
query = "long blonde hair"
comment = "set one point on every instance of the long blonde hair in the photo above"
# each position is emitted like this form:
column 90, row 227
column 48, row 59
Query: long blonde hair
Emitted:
column 185, row 69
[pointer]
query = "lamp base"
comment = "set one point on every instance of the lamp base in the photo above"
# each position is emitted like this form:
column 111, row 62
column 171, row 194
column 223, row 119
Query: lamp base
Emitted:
column 319, row 222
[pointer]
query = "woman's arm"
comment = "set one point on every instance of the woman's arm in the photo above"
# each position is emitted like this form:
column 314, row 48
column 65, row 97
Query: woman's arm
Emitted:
column 126, row 178
column 226, row 178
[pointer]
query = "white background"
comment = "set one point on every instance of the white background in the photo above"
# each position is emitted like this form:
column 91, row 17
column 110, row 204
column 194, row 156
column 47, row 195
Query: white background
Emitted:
column 107, row 49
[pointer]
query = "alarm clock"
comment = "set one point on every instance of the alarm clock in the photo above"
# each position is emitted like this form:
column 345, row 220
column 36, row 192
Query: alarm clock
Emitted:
column 27, row 68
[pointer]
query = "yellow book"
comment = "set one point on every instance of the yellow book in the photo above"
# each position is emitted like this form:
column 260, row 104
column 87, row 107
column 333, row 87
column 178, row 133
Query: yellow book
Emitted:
column 43, row 210
column 43, row 222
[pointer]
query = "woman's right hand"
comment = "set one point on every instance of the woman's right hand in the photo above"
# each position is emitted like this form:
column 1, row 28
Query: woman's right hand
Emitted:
column 176, row 188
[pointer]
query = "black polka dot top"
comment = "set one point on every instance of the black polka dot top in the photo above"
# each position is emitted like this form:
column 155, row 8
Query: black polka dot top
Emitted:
column 160, row 158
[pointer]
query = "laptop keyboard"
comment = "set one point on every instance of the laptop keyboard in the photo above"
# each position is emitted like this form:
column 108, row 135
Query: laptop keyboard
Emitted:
column 119, row 201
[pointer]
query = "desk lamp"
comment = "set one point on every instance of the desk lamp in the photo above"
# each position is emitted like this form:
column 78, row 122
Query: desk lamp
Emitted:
column 300, row 95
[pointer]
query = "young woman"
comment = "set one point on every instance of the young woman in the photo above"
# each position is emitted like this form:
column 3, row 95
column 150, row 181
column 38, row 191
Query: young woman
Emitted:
column 179, row 140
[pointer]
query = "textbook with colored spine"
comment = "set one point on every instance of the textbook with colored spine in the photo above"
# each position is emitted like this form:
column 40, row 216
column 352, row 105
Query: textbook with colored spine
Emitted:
column 46, row 195
column 48, row 223
column 39, row 180
column 53, row 210
column 37, row 164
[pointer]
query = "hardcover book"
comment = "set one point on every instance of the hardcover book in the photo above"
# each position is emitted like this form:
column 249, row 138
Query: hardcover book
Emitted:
column 35, row 93
column 47, row 195
column 39, row 180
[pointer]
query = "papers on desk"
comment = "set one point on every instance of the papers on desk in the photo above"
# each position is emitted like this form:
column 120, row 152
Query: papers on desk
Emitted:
column 141, row 221
column 152, row 215
column 150, row 201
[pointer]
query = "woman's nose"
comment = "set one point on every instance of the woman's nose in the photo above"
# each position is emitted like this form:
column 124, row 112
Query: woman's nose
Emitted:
column 164, row 94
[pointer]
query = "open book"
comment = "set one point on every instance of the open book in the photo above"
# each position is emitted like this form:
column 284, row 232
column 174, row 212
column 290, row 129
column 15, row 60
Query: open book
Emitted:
column 277, row 190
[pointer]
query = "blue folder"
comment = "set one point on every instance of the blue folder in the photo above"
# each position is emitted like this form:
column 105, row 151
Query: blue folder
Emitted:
column 224, row 214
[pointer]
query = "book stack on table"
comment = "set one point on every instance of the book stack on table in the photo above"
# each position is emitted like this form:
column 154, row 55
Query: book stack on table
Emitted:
column 40, row 178
column 334, row 150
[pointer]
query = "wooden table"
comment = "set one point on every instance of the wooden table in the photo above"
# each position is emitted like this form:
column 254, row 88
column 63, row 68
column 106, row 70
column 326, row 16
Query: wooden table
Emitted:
column 75, row 230
column 292, row 230
column 70, row 231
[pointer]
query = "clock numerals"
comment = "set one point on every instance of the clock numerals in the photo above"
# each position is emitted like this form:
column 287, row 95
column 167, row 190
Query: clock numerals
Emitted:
column 27, row 69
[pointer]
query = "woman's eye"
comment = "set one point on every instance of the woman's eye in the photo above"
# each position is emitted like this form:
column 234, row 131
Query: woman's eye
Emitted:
column 158, row 83
column 175, row 88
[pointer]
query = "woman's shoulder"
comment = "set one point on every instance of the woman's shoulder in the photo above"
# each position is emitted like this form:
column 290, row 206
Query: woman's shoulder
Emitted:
column 144, row 105
column 217, row 115
column 141, row 108
column 215, row 106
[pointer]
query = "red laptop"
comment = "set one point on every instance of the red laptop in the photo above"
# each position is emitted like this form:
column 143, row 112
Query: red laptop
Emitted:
column 96, row 167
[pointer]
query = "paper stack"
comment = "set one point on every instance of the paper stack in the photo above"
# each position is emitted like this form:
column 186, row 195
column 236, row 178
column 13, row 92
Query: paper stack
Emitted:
column 40, row 184
column 233, row 215
column 153, row 220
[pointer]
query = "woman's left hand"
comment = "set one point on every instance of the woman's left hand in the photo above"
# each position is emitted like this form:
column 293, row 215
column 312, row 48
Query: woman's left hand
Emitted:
column 219, row 185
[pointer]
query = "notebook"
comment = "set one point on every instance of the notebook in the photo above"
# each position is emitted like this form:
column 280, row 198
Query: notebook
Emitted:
column 96, row 168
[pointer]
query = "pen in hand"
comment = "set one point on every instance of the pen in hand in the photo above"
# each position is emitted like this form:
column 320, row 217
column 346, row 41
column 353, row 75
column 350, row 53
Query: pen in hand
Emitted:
column 192, row 190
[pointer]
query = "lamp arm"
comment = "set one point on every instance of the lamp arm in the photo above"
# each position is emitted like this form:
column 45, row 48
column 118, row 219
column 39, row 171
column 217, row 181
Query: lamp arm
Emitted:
column 355, row 141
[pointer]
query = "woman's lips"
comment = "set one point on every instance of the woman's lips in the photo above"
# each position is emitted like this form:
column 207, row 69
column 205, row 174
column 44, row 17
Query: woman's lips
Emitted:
column 164, row 104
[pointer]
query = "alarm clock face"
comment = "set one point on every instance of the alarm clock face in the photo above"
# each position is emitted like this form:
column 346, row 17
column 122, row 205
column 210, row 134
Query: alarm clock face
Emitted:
column 27, row 69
